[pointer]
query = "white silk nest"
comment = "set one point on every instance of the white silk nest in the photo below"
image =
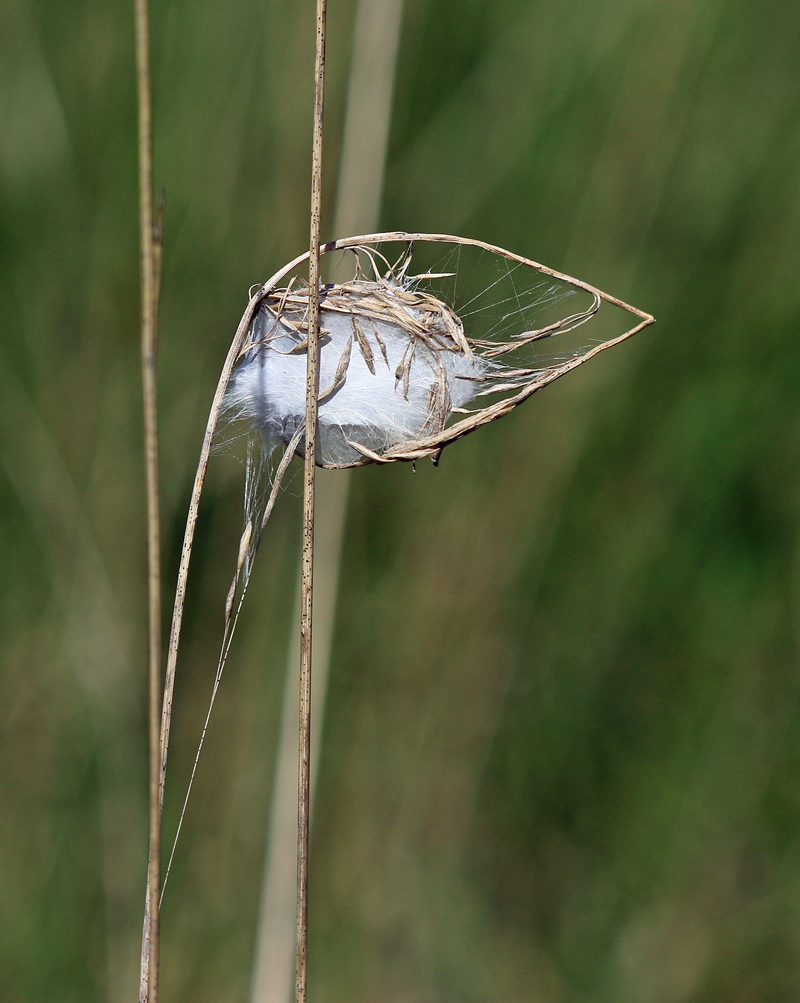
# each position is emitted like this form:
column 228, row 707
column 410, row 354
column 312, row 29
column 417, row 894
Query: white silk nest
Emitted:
column 400, row 378
column 394, row 365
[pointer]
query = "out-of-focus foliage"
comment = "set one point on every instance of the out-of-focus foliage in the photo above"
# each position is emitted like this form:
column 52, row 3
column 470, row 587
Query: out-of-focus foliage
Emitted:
column 562, row 750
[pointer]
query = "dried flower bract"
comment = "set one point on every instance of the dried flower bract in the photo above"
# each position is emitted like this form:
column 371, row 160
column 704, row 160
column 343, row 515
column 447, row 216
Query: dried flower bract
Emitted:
column 406, row 362
column 397, row 362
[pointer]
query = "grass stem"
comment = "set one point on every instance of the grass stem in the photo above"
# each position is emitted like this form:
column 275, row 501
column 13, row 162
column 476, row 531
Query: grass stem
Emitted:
column 312, row 389
column 376, row 34
column 150, row 245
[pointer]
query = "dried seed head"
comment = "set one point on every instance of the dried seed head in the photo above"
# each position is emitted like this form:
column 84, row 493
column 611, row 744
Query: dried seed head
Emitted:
column 400, row 377
column 394, row 363
column 408, row 364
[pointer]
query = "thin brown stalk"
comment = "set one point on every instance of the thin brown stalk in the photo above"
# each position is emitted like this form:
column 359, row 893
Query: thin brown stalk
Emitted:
column 188, row 542
column 358, row 197
column 194, row 508
column 150, row 261
column 230, row 625
column 306, row 584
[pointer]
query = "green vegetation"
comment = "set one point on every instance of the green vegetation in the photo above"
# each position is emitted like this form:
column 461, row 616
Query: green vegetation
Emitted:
column 562, row 751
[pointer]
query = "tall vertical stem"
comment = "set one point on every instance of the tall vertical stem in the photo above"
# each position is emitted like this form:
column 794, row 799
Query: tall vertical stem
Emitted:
column 149, row 252
column 312, row 386
column 376, row 33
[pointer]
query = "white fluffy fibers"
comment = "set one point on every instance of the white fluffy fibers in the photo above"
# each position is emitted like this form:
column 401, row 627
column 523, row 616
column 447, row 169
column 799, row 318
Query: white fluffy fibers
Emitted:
column 390, row 386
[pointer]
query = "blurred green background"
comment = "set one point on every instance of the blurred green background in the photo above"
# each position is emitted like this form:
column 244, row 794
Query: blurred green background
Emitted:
column 561, row 759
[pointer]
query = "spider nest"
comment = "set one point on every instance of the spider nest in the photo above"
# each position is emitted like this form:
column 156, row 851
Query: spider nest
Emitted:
column 401, row 376
column 406, row 363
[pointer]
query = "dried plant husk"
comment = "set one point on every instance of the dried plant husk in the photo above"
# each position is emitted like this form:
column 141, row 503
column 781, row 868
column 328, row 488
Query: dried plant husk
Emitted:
column 433, row 360
column 394, row 363
column 402, row 375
